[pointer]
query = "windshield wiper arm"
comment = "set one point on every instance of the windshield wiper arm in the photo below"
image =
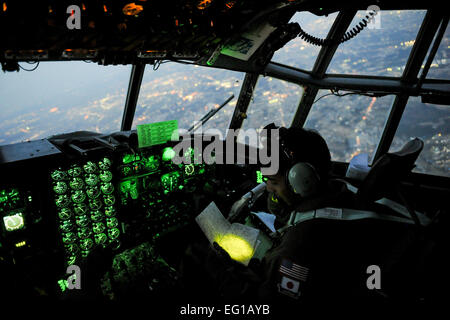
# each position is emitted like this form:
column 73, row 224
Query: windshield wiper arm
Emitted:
column 210, row 114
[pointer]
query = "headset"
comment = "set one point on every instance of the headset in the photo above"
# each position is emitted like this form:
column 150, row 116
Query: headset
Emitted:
column 300, row 177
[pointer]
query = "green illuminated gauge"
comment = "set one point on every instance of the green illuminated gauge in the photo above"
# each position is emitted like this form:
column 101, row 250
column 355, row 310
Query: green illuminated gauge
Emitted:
column 128, row 158
column 75, row 171
column 60, row 187
column 112, row 222
column 170, row 181
column 62, row 201
column 113, row 233
column 85, row 253
column 96, row 216
column 168, row 154
column 86, row 244
column 105, row 164
column 65, row 213
column 189, row 169
column 109, row 199
column 125, row 171
column 72, row 248
column 82, row 221
column 100, row 238
column 76, row 183
column 151, row 163
column 110, row 211
column 105, row 176
column 66, row 226
column 107, row 188
column 84, row 232
column 93, row 192
column 95, row 204
column 90, row 167
column 71, row 260
column 69, row 237
column 80, row 209
column 78, row 196
column 58, row 175
column 114, row 244
column 98, row 227
column 91, row 180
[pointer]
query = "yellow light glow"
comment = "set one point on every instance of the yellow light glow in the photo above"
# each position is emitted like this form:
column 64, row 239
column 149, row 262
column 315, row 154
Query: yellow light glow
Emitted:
column 5, row 7
column 238, row 248
column 20, row 244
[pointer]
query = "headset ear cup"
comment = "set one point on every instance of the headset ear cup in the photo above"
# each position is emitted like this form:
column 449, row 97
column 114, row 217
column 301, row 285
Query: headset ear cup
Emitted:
column 303, row 179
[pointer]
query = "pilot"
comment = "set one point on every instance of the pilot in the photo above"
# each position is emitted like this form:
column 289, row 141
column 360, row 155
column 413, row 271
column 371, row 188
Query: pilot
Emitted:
column 303, row 262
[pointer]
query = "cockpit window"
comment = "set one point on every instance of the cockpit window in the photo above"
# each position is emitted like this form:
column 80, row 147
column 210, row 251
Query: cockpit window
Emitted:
column 382, row 48
column 299, row 53
column 60, row 97
column 187, row 93
column 273, row 100
column 440, row 67
column 428, row 122
column 351, row 124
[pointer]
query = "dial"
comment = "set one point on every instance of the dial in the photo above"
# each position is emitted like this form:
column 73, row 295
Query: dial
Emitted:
column 62, row 201
column 90, row 167
column 109, row 199
column 93, row 192
column 78, row 196
column 96, row 216
column 112, row 222
column 105, row 164
column 107, row 188
column 80, row 209
column 110, row 211
column 100, row 238
column 113, row 233
column 98, row 227
column 95, row 204
column 69, row 237
column 76, row 183
column 86, row 244
column 66, row 226
column 65, row 213
column 91, row 179
column 75, row 171
column 84, row 232
column 82, row 221
column 60, row 187
column 105, row 176
column 58, row 175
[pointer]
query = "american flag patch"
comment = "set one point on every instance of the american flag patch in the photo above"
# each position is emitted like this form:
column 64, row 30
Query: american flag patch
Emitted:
column 293, row 270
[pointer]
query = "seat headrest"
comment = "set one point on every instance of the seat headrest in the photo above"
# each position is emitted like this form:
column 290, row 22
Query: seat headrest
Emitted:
column 388, row 171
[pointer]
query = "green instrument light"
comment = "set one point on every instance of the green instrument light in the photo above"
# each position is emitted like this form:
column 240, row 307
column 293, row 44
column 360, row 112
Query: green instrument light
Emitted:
column 98, row 227
column 125, row 171
column 63, row 285
column 113, row 233
column 72, row 248
column 78, row 196
column 170, row 181
column 91, row 180
column 81, row 209
column 105, row 176
column 58, row 175
column 109, row 199
column 110, row 211
column 76, row 183
column 84, row 232
column 95, row 204
column 60, row 187
column 96, row 216
column 66, row 226
column 152, row 163
column 90, row 167
column 128, row 158
column 168, row 154
column 259, row 177
column 65, row 213
column 71, row 261
column 14, row 222
column 69, row 237
column 107, row 188
column 105, row 164
column 93, row 192
column 75, row 171
column 100, row 238
column 62, row 201
column 82, row 221
column 112, row 222
column 86, row 244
